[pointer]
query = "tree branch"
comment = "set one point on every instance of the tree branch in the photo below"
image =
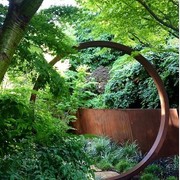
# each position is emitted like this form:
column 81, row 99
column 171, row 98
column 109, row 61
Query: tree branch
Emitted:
column 175, row 2
column 159, row 20
column 174, row 34
column 40, row 79
column 136, row 37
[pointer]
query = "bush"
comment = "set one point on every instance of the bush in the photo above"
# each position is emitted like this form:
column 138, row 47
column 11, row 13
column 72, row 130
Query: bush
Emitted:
column 164, row 168
column 124, row 165
column 172, row 178
column 169, row 166
column 65, row 160
column 121, row 90
column 148, row 176
column 35, row 145
column 153, row 169
column 19, row 120
column 104, row 164
column 98, row 146
column 16, row 122
column 108, row 155
column 130, row 86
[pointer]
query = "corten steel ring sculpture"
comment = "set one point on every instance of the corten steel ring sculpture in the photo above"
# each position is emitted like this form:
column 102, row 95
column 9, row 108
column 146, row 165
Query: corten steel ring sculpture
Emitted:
column 163, row 101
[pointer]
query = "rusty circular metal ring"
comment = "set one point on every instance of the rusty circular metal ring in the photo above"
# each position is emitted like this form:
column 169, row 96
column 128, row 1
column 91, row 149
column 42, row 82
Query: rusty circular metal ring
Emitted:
column 163, row 101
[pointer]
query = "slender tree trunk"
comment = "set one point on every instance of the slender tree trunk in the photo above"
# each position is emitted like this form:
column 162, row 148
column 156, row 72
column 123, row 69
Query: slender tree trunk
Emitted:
column 19, row 14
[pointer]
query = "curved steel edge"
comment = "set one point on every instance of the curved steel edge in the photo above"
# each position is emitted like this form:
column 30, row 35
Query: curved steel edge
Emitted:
column 163, row 100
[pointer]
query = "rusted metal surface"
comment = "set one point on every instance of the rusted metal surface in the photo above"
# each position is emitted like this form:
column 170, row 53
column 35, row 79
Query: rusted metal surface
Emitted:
column 112, row 123
column 163, row 100
column 171, row 144
column 140, row 125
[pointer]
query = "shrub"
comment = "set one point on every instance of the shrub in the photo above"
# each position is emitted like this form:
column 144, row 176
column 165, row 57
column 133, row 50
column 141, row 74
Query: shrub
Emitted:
column 148, row 176
column 131, row 87
column 169, row 166
column 104, row 164
column 130, row 150
column 172, row 178
column 48, row 129
column 164, row 167
column 65, row 160
column 16, row 121
column 109, row 155
column 154, row 169
column 35, row 145
column 98, row 147
column 124, row 165
column 19, row 120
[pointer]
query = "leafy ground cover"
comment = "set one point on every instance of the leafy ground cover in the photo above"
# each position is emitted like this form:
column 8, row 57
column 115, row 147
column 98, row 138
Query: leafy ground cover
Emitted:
column 109, row 156
column 73, row 158
column 35, row 144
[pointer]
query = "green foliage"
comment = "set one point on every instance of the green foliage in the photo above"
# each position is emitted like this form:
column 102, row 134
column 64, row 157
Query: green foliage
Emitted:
column 67, row 14
column 34, row 143
column 78, row 91
column 50, row 76
column 170, row 166
column 96, row 102
column 31, row 140
column 15, row 121
column 95, row 57
column 167, row 66
column 148, row 176
column 163, row 168
column 104, row 164
column 121, row 89
column 48, row 126
column 49, row 129
column 130, row 150
column 14, row 104
column 120, row 62
column 172, row 178
column 108, row 155
column 3, row 11
column 21, row 120
column 176, row 162
column 133, row 22
column 131, row 87
column 123, row 165
column 98, row 146
column 45, row 35
column 46, row 121
column 153, row 169
column 65, row 160
column 51, row 36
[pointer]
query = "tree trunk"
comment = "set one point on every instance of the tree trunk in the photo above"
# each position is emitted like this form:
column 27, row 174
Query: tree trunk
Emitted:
column 19, row 14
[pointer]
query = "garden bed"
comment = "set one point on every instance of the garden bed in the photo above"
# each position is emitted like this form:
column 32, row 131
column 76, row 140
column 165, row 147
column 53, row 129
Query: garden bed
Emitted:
column 140, row 125
column 111, row 159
